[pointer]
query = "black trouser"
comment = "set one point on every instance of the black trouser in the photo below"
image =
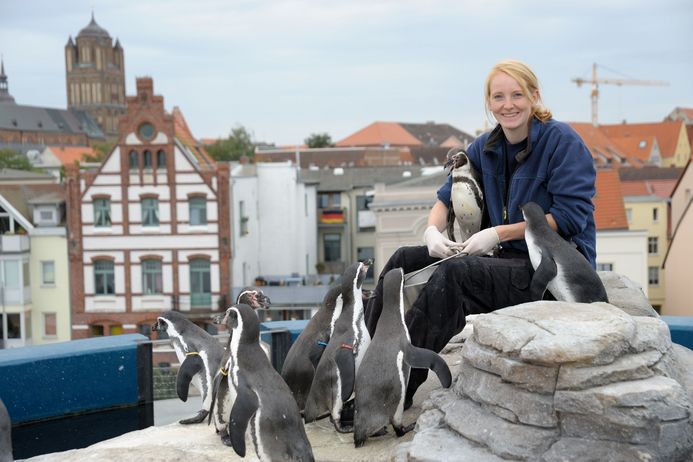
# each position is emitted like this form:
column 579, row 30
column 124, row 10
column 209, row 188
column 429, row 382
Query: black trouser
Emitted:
column 459, row 287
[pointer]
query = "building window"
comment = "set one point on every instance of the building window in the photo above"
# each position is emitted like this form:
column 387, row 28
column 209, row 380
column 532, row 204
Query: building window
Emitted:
column 161, row 158
column 198, row 211
column 332, row 243
column 326, row 200
column 151, row 277
column 11, row 274
column 104, row 277
column 96, row 330
column 102, row 213
column 242, row 218
column 655, row 215
column 200, row 283
column 605, row 266
column 134, row 161
column 46, row 215
column 363, row 254
column 147, row 157
column 629, row 215
column 150, row 211
column 653, row 275
column 48, row 273
column 365, row 216
column 14, row 327
column 652, row 246
column 50, row 325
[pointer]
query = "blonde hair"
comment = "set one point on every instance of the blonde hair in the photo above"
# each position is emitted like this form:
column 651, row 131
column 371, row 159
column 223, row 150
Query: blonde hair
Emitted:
column 527, row 80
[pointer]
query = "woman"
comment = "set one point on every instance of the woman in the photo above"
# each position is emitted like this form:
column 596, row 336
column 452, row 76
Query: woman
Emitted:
column 528, row 156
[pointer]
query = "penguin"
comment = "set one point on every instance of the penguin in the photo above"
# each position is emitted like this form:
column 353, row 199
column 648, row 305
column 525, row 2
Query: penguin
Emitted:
column 466, row 196
column 5, row 434
column 558, row 265
column 221, row 398
column 262, row 399
column 200, row 355
column 305, row 353
column 333, row 382
column 381, row 381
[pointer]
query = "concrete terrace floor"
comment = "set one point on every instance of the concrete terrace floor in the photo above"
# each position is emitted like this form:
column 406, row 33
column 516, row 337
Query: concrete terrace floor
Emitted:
column 169, row 441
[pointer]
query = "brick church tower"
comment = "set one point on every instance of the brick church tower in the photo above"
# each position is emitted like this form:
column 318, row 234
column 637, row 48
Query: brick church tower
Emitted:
column 95, row 75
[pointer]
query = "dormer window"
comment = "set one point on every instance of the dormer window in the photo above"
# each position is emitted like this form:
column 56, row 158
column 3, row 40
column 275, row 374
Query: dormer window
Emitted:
column 642, row 144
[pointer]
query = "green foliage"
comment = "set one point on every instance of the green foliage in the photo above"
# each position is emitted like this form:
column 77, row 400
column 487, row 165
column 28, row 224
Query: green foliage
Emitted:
column 239, row 143
column 9, row 158
column 319, row 140
column 100, row 151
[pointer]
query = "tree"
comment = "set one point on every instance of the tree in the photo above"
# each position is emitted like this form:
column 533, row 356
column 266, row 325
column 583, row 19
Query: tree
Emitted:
column 319, row 140
column 238, row 144
column 9, row 158
column 100, row 151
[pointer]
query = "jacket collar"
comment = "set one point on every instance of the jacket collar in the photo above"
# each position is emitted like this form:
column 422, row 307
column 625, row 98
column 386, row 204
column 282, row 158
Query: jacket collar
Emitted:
column 497, row 137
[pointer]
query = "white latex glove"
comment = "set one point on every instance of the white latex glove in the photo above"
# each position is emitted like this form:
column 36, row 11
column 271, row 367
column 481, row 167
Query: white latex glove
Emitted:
column 438, row 245
column 481, row 243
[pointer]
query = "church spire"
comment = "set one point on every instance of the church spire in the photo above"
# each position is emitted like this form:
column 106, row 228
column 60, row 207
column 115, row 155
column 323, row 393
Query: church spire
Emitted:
column 5, row 96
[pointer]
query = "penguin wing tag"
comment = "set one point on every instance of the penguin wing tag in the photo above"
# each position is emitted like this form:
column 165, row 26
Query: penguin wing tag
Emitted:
column 191, row 365
column 244, row 408
column 346, row 365
column 543, row 274
column 422, row 358
column 316, row 351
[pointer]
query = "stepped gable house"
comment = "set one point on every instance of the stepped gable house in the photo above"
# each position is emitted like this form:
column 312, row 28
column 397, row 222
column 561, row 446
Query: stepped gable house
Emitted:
column 149, row 230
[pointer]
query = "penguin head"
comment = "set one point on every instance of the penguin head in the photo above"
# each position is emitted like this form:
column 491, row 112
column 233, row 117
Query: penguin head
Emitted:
column 168, row 319
column 455, row 158
column 255, row 298
column 242, row 319
column 532, row 213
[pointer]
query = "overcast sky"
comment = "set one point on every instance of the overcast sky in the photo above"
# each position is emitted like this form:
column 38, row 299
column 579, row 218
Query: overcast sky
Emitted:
column 286, row 69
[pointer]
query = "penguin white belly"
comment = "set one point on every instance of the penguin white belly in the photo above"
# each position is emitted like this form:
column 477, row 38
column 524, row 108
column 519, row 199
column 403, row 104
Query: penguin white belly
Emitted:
column 467, row 211
column 559, row 286
column 257, row 436
column 397, row 418
column 534, row 250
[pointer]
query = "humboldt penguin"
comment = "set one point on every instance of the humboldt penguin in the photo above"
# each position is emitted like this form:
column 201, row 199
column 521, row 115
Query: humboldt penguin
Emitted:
column 466, row 196
column 262, row 401
column 333, row 382
column 381, row 381
column 558, row 265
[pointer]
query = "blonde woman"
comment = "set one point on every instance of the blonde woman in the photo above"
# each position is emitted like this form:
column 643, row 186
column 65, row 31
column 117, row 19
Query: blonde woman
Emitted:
column 527, row 156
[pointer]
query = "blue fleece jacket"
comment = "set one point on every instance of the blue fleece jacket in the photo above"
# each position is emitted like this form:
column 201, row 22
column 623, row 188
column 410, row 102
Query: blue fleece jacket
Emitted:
column 556, row 171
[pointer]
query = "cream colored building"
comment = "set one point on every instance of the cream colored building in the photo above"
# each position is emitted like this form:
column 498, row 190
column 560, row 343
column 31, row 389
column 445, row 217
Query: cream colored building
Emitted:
column 677, row 262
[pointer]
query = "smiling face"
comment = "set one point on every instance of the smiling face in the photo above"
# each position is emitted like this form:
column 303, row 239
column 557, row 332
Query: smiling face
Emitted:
column 511, row 106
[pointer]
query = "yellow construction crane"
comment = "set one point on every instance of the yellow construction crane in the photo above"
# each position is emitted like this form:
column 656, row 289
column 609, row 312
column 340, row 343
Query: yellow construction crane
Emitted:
column 595, row 87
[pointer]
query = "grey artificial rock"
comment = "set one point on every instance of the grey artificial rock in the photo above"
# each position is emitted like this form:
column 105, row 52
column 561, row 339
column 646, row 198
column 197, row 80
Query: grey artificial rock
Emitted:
column 627, row 367
column 625, row 294
column 532, row 377
column 528, row 407
column 651, row 334
column 442, row 446
column 430, row 419
column 579, row 450
column 551, row 333
column 503, row 438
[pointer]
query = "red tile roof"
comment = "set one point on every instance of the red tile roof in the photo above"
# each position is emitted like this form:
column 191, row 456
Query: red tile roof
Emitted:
column 601, row 147
column 380, row 134
column 610, row 212
column 183, row 134
column 71, row 154
column 636, row 148
column 667, row 133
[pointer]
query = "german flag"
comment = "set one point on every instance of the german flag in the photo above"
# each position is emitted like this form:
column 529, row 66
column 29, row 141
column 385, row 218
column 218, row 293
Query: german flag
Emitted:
column 332, row 217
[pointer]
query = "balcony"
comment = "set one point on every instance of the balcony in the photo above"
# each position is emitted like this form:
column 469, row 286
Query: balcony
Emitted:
column 332, row 217
column 14, row 243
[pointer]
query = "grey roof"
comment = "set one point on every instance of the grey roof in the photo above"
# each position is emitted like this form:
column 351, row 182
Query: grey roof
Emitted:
column 353, row 178
column 93, row 30
column 41, row 119
column 434, row 179
column 21, row 196
column 433, row 134
column 13, row 174
column 649, row 173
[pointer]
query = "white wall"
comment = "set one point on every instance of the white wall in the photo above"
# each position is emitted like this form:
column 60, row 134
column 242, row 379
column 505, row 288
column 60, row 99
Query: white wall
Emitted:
column 627, row 251
column 245, row 253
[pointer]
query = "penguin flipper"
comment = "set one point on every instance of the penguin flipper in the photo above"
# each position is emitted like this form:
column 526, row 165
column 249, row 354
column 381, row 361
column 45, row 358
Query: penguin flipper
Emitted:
column 347, row 370
column 451, row 223
column 191, row 365
column 215, row 386
column 244, row 408
column 544, row 273
column 316, row 351
column 422, row 358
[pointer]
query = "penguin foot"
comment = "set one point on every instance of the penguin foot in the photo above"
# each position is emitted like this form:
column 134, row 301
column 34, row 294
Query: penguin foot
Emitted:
column 381, row 432
column 341, row 427
column 403, row 430
column 201, row 415
column 226, row 439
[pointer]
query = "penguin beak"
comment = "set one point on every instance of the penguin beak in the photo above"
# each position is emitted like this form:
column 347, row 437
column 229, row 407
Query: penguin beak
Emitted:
column 218, row 319
column 156, row 327
column 264, row 301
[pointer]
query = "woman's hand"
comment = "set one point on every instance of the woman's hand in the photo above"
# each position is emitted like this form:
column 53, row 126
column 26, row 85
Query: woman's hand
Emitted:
column 481, row 243
column 438, row 245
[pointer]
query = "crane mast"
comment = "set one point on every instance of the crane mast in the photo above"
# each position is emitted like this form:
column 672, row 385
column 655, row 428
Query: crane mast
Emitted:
column 594, row 81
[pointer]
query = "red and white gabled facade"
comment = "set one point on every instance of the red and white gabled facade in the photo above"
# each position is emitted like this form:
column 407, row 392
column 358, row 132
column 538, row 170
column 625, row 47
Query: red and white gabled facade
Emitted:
column 156, row 161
